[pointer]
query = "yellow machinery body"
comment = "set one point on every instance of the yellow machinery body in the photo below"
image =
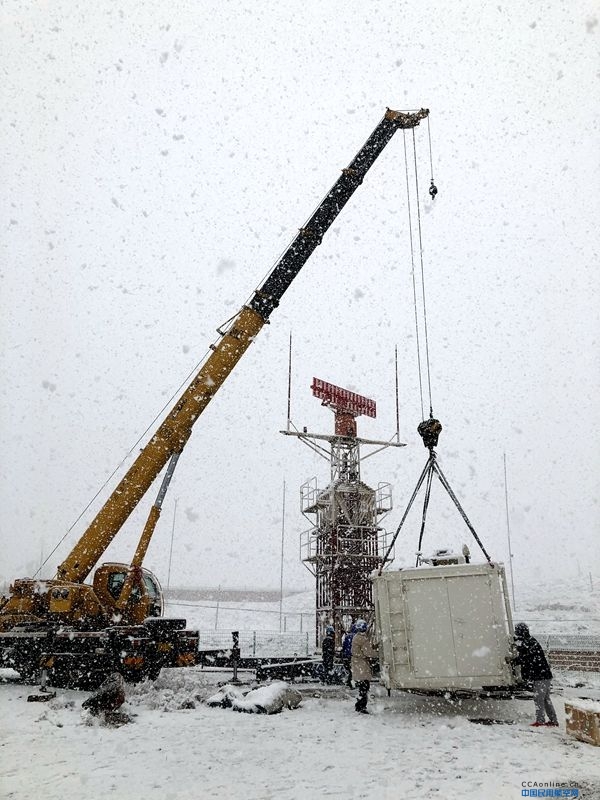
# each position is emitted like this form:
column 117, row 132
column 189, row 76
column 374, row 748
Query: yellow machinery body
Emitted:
column 34, row 617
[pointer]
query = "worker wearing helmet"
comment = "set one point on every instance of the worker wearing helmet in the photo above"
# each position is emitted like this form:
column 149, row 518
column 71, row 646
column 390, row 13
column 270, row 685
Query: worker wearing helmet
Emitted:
column 347, row 653
column 328, row 651
column 362, row 674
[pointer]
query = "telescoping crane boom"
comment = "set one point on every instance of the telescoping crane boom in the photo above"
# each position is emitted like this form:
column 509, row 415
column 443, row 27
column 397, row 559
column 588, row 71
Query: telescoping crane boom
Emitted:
column 35, row 613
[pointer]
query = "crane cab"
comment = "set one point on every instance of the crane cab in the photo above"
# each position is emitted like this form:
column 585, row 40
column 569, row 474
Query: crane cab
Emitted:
column 145, row 600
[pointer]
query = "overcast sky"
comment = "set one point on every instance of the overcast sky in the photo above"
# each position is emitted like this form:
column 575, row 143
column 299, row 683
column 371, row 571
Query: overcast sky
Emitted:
column 158, row 157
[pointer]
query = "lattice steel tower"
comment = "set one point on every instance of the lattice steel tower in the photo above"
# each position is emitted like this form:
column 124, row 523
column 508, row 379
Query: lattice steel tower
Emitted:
column 346, row 541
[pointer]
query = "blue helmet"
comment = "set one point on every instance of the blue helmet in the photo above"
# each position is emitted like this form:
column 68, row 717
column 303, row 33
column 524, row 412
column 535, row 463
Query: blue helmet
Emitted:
column 361, row 625
column 330, row 630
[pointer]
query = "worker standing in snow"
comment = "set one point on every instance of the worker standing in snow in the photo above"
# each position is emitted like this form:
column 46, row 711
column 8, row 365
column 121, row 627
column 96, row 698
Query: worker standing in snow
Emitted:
column 362, row 651
column 347, row 653
column 328, row 651
column 535, row 668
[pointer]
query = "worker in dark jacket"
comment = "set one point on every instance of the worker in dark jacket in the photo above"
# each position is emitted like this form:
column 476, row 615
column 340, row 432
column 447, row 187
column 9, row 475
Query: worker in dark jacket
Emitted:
column 328, row 651
column 347, row 653
column 535, row 669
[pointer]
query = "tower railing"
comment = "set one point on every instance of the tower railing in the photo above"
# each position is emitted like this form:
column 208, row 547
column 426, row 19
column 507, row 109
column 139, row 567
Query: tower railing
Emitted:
column 350, row 542
column 383, row 498
column 309, row 492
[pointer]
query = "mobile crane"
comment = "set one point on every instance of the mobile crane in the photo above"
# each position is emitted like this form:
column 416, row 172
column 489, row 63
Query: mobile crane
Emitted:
column 77, row 631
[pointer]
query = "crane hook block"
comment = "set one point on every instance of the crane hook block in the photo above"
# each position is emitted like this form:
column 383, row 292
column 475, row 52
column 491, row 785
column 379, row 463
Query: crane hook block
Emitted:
column 433, row 190
column 429, row 430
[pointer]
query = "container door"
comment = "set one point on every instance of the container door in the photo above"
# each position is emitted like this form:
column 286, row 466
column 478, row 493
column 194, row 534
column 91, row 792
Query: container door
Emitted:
column 431, row 639
column 473, row 625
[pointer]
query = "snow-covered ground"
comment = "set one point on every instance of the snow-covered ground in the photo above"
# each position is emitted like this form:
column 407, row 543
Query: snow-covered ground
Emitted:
column 177, row 748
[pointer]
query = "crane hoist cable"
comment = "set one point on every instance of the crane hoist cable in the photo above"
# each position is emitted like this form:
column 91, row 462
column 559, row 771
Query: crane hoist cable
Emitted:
column 425, row 328
column 422, row 271
column 414, row 280
column 432, row 187
column 428, row 429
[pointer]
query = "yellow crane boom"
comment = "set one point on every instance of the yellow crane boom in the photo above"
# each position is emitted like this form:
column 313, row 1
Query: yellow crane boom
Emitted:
column 170, row 438
column 174, row 432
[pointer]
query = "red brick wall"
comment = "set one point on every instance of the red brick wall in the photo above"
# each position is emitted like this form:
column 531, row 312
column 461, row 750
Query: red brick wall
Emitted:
column 579, row 660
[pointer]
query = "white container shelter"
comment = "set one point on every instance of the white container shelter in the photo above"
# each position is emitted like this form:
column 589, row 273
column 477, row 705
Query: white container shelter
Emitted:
column 444, row 627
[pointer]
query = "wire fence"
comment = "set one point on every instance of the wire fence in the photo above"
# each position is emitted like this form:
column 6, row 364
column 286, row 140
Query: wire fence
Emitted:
column 260, row 644
column 557, row 641
column 225, row 616
column 274, row 644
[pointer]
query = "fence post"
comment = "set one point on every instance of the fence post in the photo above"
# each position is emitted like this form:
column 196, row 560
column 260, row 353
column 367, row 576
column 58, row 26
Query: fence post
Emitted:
column 301, row 618
column 235, row 655
column 306, row 642
column 254, row 644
